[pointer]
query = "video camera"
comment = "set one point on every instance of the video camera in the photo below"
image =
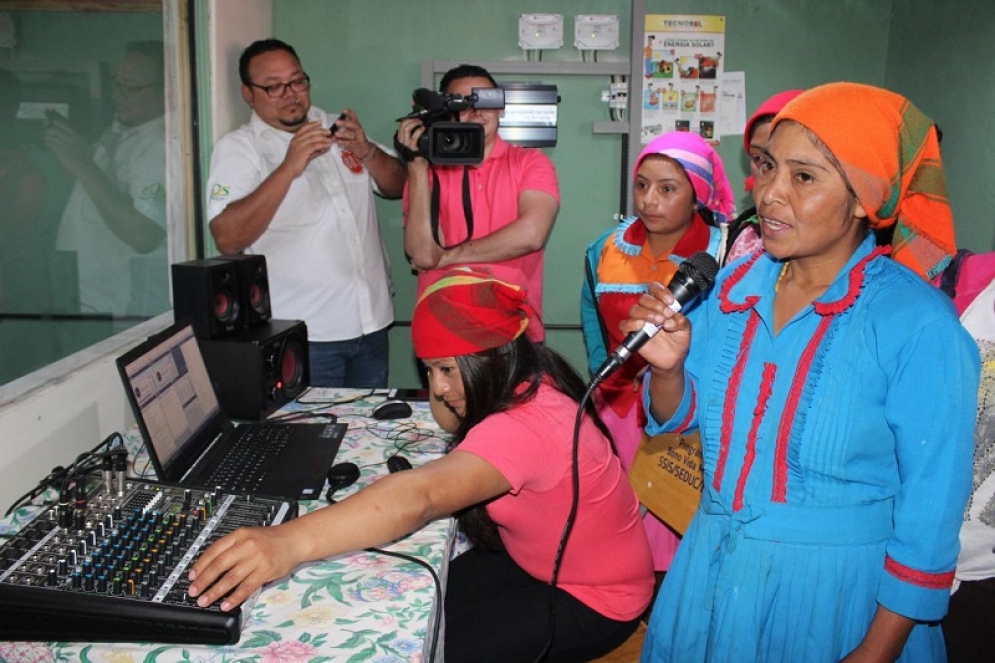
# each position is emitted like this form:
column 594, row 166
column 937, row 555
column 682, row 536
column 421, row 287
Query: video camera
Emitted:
column 449, row 142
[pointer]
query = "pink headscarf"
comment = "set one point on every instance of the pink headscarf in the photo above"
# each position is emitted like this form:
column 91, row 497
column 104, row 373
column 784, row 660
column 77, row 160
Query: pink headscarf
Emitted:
column 703, row 167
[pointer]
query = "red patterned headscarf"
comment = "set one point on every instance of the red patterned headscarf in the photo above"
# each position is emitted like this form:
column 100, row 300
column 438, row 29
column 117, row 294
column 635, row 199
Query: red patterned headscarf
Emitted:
column 468, row 311
column 890, row 154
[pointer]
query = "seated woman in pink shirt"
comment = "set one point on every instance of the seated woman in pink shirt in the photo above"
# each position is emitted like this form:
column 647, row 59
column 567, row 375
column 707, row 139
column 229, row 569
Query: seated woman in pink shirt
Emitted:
column 510, row 477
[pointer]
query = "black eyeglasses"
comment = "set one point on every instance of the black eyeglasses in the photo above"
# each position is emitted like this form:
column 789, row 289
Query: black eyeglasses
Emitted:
column 279, row 89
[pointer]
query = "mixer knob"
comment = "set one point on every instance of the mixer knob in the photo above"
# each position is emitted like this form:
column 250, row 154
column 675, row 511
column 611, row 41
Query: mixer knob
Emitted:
column 88, row 582
column 102, row 584
column 63, row 567
column 77, row 580
column 51, row 578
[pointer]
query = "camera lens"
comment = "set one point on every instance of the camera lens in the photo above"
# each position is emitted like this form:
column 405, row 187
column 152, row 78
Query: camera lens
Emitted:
column 451, row 143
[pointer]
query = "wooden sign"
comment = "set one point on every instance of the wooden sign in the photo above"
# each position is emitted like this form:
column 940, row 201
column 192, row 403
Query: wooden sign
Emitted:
column 666, row 476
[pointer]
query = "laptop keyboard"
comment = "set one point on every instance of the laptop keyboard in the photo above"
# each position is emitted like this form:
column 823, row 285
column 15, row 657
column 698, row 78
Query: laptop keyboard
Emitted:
column 245, row 467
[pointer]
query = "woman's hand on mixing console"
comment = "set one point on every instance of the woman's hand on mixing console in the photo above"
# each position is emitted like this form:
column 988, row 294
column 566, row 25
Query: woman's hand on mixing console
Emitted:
column 240, row 563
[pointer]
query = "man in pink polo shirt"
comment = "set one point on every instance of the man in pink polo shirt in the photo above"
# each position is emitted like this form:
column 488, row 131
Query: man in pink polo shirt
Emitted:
column 514, row 199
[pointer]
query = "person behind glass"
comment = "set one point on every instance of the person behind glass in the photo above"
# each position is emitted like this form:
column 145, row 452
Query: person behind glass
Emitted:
column 23, row 256
column 514, row 198
column 297, row 185
column 115, row 217
column 509, row 477
column 681, row 195
column 827, row 528
column 744, row 233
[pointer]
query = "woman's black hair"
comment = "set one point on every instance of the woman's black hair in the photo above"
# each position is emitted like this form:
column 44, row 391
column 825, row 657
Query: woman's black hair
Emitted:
column 499, row 380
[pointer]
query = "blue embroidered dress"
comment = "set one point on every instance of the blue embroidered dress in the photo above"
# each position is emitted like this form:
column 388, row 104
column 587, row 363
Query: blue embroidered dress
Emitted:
column 837, row 466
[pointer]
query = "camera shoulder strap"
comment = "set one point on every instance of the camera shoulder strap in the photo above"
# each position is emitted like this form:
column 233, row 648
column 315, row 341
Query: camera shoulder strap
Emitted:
column 467, row 208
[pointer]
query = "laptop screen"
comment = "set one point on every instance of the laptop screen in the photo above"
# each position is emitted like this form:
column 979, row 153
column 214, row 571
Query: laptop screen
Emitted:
column 173, row 398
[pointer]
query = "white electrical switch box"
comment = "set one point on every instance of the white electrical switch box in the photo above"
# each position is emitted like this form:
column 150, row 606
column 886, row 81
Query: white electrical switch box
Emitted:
column 595, row 32
column 540, row 31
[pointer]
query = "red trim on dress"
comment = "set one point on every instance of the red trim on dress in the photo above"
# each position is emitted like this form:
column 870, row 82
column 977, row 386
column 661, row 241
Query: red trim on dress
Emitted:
column 691, row 411
column 780, row 490
column 766, row 389
column 725, row 304
column 732, row 395
column 827, row 310
column 919, row 578
column 857, row 276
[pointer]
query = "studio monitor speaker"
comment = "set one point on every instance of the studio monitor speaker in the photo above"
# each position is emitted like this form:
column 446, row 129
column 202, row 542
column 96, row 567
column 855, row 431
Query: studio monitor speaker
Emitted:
column 258, row 369
column 253, row 287
column 206, row 293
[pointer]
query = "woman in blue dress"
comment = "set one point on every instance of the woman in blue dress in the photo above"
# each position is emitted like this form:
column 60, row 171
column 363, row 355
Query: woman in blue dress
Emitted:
column 834, row 393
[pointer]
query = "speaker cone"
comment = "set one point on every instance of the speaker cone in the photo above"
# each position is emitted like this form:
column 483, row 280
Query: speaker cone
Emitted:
column 225, row 306
column 292, row 367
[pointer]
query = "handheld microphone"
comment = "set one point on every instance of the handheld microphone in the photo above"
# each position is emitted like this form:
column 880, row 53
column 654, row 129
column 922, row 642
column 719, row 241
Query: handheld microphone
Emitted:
column 694, row 276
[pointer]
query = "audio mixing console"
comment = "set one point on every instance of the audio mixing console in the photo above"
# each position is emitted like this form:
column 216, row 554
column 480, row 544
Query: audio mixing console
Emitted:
column 112, row 565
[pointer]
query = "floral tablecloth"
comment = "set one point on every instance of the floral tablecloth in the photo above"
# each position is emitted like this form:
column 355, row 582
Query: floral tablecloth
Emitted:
column 365, row 606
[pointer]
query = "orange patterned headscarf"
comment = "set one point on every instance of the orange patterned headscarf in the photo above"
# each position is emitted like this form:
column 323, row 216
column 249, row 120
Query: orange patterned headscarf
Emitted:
column 468, row 311
column 891, row 156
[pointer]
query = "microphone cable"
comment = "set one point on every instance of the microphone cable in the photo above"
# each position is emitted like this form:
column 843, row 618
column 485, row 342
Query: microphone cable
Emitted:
column 438, row 593
column 569, row 523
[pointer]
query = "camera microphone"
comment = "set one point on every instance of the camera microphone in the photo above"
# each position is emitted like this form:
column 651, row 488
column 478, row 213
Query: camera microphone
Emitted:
column 428, row 100
column 694, row 276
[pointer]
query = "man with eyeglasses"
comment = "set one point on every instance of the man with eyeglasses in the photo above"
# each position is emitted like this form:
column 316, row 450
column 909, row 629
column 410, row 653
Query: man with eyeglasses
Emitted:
column 114, row 221
column 297, row 185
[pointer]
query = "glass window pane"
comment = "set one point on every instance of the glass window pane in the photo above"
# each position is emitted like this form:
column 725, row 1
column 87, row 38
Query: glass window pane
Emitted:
column 82, row 179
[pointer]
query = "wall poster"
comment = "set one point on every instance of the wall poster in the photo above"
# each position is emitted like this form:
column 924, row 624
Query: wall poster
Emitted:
column 682, row 75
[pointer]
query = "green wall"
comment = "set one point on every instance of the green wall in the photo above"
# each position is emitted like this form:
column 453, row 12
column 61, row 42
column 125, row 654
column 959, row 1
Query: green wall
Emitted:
column 942, row 56
column 367, row 55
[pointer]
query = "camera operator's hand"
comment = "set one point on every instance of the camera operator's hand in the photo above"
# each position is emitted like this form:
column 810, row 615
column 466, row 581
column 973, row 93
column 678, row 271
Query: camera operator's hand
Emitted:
column 408, row 133
column 350, row 136
column 310, row 141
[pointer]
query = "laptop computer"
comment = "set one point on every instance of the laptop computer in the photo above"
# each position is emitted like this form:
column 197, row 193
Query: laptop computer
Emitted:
column 191, row 441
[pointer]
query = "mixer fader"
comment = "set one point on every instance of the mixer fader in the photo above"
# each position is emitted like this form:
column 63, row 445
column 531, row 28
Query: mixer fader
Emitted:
column 112, row 566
